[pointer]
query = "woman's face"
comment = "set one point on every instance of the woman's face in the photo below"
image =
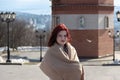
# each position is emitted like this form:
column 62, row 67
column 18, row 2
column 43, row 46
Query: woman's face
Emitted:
column 62, row 37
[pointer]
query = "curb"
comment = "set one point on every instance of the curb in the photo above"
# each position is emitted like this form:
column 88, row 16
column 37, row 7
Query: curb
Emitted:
column 107, row 64
column 10, row 63
column 112, row 64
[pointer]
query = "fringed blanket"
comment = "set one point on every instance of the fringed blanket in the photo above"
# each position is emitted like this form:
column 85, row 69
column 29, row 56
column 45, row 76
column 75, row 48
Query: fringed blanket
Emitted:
column 59, row 65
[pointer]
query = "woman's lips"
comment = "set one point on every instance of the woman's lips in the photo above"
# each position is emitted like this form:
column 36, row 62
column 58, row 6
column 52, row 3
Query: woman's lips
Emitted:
column 62, row 41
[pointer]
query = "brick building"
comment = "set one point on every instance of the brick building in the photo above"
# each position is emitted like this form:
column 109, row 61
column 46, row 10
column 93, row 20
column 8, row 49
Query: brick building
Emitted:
column 89, row 22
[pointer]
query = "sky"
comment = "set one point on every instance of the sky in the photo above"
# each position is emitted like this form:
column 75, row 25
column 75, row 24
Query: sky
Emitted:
column 31, row 6
column 117, row 2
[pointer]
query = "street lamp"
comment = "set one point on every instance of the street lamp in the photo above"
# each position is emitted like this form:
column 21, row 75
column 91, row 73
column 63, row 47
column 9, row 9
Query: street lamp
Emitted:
column 118, row 15
column 40, row 34
column 114, row 36
column 7, row 17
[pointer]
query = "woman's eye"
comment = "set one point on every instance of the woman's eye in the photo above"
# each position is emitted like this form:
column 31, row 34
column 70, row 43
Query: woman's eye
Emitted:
column 65, row 35
column 60, row 35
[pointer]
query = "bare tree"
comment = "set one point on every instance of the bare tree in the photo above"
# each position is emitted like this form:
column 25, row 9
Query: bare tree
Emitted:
column 17, row 30
column 29, row 37
column 22, row 33
column 2, row 34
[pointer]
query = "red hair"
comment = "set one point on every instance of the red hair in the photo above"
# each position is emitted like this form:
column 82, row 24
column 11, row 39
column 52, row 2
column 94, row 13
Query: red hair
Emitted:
column 55, row 32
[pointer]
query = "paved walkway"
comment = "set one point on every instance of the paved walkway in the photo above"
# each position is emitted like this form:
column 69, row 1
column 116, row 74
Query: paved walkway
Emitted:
column 93, row 68
column 21, row 72
column 32, row 72
column 102, row 72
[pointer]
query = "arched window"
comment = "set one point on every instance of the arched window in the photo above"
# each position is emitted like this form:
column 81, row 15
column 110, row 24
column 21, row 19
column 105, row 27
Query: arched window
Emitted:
column 106, row 22
column 82, row 21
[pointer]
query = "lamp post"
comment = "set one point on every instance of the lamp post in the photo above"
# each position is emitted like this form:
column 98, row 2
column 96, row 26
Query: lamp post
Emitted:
column 40, row 34
column 114, row 36
column 7, row 17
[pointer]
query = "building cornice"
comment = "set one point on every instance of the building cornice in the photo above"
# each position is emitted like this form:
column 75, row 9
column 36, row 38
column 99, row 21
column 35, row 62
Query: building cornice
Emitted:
column 81, row 9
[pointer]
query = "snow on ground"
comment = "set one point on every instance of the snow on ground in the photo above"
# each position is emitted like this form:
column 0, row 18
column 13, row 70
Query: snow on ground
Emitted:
column 25, row 48
column 21, row 48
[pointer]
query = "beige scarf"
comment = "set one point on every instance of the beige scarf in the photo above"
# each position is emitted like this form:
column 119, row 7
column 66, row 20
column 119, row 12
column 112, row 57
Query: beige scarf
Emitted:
column 59, row 65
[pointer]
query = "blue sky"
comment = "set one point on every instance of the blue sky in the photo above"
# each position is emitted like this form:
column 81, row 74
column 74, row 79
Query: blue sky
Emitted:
column 31, row 6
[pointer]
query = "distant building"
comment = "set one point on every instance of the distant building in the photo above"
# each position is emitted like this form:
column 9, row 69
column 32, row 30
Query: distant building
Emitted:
column 89, row 22
column 32, row 22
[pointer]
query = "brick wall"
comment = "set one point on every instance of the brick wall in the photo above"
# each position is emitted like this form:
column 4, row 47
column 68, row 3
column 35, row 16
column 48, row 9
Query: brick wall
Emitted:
column 92, row 43
column 82, row 9
column 82, row 6
column 105, row 43
column 111, row 2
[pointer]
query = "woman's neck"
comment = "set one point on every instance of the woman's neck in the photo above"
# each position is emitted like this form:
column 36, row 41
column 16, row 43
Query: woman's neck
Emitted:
column 60, row 45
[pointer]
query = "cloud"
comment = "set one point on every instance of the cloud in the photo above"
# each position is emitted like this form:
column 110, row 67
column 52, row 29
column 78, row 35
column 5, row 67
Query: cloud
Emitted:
column 117, row 2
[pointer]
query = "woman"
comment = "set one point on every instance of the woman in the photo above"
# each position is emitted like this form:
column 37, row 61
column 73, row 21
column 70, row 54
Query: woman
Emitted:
column 61, row 61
